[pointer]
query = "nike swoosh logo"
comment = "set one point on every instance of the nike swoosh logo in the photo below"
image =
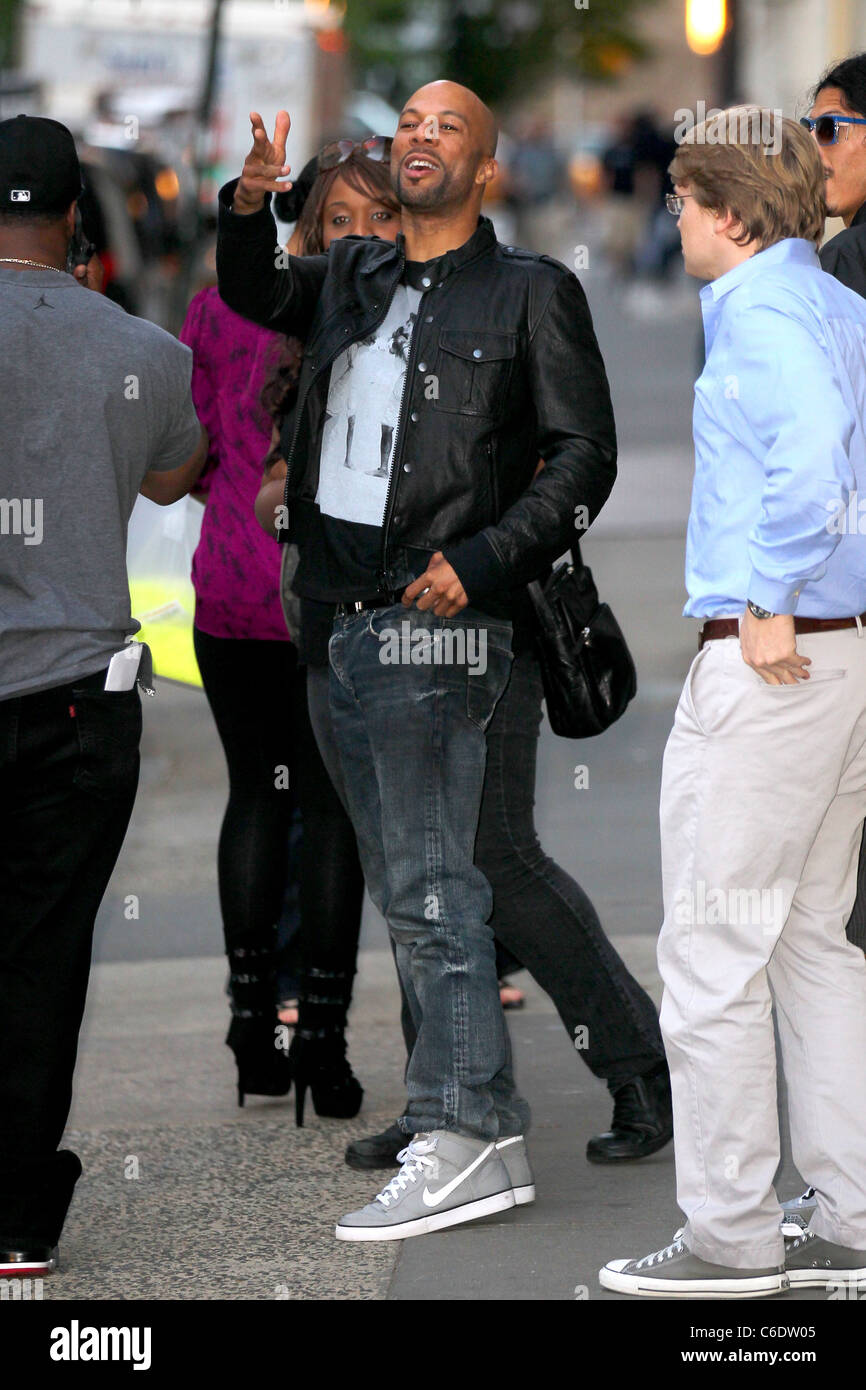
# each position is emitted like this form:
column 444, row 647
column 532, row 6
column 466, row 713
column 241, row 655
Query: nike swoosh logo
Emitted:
column 432, row 1199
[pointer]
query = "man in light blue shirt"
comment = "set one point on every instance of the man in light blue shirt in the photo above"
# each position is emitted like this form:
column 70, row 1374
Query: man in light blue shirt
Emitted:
column 779, row 444
column 764, row 782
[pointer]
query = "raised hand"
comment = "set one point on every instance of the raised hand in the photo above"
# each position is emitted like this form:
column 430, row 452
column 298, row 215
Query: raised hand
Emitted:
column 264, row 165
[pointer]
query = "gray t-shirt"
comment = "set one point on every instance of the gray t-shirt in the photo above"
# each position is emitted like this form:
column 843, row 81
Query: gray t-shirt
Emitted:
column 91, row 399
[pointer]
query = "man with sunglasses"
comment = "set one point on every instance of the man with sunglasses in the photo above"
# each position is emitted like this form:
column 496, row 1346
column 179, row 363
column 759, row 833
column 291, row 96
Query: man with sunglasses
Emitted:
column 497, row 363
column 838, row 123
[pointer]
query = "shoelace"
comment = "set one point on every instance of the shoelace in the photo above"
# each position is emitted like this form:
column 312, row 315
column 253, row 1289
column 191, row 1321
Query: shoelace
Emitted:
column 415, row 1159
column 803, row 1238
column 659, row 1256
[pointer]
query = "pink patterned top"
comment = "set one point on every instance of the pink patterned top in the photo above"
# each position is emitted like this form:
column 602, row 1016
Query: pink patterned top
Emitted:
column 236, row 567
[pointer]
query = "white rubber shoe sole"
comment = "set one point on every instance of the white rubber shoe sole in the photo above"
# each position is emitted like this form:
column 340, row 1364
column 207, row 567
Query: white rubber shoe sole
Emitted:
column 437, row 1221
column 611, row 1277
column 818, row 1278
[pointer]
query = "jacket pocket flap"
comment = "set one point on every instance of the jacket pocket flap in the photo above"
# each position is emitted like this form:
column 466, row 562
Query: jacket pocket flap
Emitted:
column 478, row 346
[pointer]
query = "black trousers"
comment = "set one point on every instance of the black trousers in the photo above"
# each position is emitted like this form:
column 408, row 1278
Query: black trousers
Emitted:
column 258, row 696
column 856, row 928
column 69, row 766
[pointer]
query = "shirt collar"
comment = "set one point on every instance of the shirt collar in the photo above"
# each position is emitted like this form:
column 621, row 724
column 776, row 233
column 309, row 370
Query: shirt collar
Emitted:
column 859, row 217
column 481, row 240
column 791, row 250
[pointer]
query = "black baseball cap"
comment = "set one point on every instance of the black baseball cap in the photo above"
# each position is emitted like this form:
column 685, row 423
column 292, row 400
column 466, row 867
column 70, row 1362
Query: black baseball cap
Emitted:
column 39, row 168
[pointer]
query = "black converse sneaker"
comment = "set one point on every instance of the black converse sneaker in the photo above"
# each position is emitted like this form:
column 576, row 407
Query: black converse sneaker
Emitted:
column 675, row 1272
column 812, row 1262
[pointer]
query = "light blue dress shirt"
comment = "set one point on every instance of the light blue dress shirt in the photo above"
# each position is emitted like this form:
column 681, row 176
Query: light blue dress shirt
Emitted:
column 780, row 443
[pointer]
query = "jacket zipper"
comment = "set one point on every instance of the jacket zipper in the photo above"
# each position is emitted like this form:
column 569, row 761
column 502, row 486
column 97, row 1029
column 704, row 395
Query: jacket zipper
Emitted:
column 399, row 436
column 302, row 405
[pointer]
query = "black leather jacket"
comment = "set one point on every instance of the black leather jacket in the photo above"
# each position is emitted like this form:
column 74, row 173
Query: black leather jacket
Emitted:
column 504, row 369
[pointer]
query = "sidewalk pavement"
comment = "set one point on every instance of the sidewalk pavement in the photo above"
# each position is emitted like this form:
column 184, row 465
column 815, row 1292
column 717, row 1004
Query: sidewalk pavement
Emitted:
column 187, row 1197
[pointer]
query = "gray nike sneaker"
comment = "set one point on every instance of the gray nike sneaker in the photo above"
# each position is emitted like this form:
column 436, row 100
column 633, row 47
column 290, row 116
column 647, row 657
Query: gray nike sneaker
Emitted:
column 445, row 1179
column 812, row 1262
column 676, row 1273
column 513, row 1154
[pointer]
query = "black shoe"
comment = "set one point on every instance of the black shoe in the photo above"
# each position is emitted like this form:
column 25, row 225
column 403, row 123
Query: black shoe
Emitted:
column 642, row 1120
column 320, row 1064
column 264, row 1068
column 29, row 1260
column 377, row 1151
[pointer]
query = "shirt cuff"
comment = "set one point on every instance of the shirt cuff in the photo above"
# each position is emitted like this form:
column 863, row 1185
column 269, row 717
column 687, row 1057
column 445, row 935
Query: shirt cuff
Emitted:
column 231, row 222
column 773, row 594
column 478, row 568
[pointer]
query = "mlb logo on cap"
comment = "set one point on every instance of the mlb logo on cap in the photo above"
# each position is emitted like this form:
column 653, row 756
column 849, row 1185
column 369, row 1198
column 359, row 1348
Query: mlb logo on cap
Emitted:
column 20, row 195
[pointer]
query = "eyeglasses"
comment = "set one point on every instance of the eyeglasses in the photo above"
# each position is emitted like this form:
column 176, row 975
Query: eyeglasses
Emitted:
column 377, row 147
column 826, row 128
column 674, row 202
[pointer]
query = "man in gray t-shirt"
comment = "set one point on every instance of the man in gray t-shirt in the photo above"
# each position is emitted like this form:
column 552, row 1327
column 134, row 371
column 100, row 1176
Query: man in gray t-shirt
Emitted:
column 92, row 402
column 95, row 407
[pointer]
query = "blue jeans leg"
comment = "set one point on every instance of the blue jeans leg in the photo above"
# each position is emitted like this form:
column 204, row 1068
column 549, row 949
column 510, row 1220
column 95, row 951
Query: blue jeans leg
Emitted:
column 410, row 723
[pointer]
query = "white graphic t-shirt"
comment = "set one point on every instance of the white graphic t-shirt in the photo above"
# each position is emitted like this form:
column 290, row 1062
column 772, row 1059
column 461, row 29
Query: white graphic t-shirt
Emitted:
column 364, row 396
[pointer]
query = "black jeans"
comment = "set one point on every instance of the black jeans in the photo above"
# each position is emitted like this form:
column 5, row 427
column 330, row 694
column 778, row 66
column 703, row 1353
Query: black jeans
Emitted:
column 68, row 776
column 856, row 929
column 540, row 914
column 258, row 696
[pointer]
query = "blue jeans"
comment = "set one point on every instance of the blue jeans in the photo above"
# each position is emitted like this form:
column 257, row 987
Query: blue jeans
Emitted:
column 409, row 718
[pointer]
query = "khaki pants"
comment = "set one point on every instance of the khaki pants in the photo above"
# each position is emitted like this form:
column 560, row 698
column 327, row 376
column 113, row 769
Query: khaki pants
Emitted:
column 762, row 807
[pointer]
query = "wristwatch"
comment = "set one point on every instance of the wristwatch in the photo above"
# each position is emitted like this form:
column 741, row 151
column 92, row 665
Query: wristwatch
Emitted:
column 757, row 612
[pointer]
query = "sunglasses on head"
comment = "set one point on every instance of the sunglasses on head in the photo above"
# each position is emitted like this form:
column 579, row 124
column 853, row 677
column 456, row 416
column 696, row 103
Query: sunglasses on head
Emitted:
column 826, row 128
column 377, row 147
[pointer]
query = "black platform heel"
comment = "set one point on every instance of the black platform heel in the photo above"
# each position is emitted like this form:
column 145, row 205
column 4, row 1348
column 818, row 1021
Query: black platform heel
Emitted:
column 255, row 1036
column 319, row 1064
column 317, row 1055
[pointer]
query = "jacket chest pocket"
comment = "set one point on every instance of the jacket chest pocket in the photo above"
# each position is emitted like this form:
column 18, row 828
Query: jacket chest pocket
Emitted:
column 472, row 371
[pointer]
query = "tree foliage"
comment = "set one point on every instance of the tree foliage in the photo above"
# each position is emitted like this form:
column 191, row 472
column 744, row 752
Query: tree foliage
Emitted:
column 499, row 49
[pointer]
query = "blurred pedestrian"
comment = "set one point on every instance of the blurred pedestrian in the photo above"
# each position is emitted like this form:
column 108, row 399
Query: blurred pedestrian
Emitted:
column 95, row 408
column 405, row 730
column 759, row 847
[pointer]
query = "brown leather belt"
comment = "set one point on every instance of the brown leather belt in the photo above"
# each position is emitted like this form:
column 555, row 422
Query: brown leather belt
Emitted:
column 714, row 628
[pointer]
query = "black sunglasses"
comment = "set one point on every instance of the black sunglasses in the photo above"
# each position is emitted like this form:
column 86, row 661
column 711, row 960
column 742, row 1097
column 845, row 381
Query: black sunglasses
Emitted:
column 376, row 147
column 826, row 128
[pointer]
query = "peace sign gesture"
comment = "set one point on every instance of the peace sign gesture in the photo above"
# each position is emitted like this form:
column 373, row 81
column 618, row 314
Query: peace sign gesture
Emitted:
column 264, row 165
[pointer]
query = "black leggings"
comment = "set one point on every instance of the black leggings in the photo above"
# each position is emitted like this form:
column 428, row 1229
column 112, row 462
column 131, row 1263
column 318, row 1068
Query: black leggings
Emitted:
column 258, row 696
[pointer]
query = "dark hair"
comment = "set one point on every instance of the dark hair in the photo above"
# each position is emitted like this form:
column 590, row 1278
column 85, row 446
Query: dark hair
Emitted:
column 850, row 77
column 25, row 218
column 370, row 177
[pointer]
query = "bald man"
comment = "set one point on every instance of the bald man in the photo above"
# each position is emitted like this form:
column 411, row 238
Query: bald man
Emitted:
column 421, row 557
